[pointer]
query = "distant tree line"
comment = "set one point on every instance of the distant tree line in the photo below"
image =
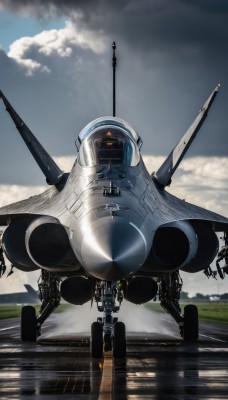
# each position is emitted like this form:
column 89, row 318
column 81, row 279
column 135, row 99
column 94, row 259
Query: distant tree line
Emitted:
column 200, row 296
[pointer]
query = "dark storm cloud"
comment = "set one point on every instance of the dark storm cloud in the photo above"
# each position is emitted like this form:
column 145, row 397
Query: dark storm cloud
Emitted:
column 162, row 34
column 146, row 23
column 158, row 31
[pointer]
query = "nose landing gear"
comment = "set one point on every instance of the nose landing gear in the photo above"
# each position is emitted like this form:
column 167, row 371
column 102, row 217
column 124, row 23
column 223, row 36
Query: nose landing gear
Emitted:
column 107, row 333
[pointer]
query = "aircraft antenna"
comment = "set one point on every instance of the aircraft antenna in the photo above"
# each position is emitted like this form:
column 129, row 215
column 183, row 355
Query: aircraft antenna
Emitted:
column 114, row 77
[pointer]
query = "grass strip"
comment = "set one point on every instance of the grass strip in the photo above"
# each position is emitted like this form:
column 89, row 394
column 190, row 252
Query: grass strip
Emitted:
column 216, row 312
column 14, row 310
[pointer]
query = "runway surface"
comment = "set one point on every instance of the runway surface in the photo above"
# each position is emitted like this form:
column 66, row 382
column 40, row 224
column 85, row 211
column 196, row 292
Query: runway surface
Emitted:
column 157, row 366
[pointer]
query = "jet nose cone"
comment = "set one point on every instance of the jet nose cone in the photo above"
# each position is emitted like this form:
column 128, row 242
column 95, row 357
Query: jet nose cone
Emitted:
column 112, row 248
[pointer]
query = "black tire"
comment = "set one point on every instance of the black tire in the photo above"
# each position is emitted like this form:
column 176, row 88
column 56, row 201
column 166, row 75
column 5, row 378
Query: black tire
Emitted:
column 191, row 324
column 28, row 324
column 119, row 340
column 96, row 340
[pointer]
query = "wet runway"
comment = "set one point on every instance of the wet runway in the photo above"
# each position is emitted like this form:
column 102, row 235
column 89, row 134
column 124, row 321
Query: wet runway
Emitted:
column 158, row 366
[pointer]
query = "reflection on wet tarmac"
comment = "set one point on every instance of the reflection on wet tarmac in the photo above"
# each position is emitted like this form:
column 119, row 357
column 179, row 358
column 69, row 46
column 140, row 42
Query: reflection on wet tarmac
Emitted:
column 153, row 369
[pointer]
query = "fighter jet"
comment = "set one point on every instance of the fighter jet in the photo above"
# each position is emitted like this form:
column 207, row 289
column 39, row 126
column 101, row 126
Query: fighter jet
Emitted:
column 109, row 231
column 30, row 296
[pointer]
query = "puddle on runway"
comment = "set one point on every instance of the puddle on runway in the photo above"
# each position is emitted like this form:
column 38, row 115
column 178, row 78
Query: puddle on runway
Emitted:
column 152, row 370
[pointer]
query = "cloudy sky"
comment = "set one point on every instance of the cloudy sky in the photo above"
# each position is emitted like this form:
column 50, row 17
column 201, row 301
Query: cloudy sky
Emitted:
column 55, row 69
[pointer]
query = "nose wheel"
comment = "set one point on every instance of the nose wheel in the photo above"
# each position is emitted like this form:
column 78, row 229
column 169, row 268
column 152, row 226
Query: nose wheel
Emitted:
column 115, row 342
column 119, row 340
column 96, row 340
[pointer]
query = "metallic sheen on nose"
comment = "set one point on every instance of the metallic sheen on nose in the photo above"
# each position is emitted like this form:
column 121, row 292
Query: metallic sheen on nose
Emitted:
column 112, row 248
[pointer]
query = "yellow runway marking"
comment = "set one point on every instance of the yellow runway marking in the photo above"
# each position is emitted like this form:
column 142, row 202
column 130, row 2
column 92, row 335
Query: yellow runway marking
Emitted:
column 106, row 381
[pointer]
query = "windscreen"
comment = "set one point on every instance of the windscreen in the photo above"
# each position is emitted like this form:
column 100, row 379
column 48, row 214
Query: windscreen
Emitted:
column 108, row 145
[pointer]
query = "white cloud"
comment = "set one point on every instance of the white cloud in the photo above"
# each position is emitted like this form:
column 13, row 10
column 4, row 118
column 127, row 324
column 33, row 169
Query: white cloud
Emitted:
column 200, row 180
column 65, row 163
column 13, row 193
column 32, row 52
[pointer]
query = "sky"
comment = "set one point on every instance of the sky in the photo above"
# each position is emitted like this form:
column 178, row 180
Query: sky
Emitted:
column 55, row 69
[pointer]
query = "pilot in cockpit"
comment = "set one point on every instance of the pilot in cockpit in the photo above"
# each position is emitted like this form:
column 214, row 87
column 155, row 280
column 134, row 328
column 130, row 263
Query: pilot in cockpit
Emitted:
column 109, row 148
column 107, row 142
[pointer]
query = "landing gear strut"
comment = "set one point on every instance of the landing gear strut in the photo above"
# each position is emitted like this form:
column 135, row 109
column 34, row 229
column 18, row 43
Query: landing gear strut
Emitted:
column 107, row 333
column 223, row 255
column 49, row 294
column 169, row 295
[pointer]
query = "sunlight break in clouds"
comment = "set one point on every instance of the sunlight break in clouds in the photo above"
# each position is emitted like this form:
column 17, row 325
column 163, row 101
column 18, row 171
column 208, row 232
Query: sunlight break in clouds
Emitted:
column 54, row 42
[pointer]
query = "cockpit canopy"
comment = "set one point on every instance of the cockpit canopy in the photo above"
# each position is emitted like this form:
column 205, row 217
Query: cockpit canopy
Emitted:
column 108, row 140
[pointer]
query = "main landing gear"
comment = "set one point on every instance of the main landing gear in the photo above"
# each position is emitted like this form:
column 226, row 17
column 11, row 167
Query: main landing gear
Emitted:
column 107, row 333
column 169, row 295
column 50, row 296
